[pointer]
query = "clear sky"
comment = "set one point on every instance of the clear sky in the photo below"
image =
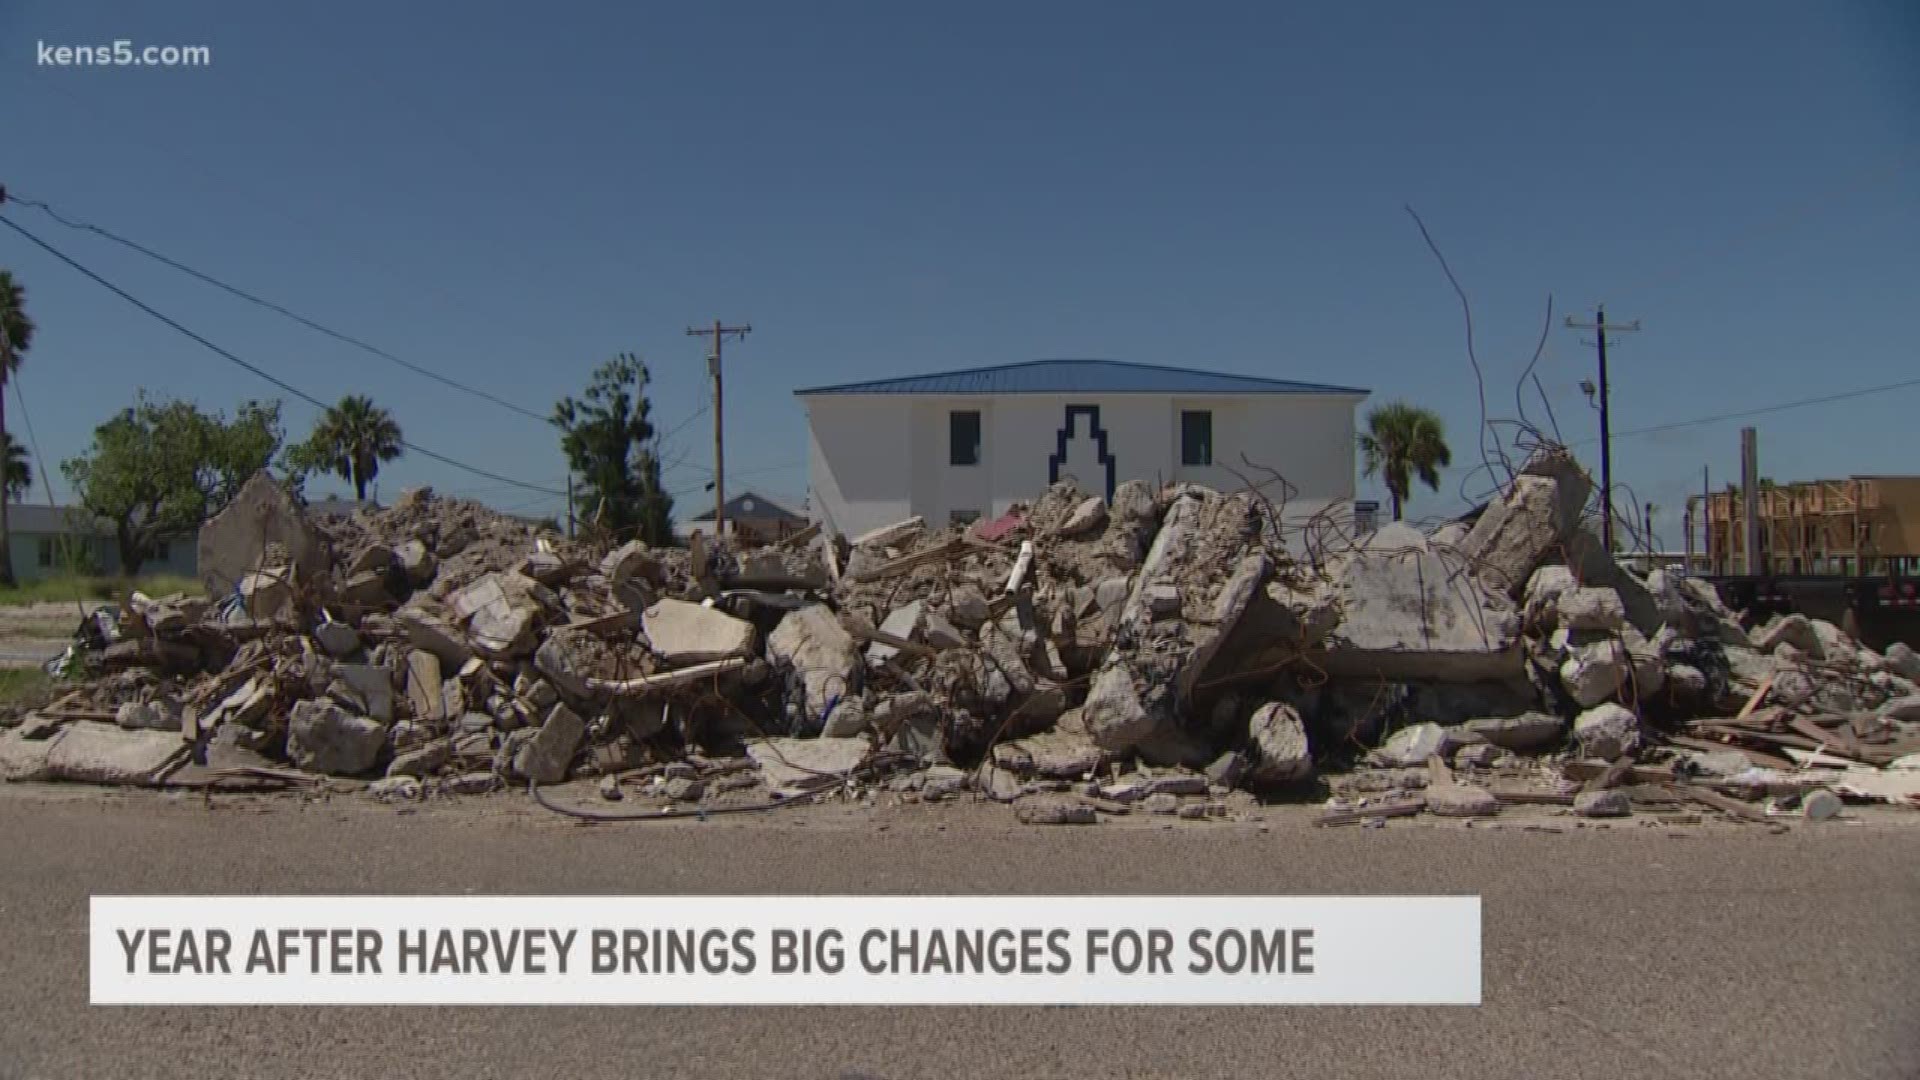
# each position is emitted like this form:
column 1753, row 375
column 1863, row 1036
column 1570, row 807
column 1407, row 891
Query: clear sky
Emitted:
column 512, row 193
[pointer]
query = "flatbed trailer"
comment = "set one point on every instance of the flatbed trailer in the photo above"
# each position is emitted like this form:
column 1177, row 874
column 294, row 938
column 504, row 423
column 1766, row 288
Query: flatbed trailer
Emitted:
column 1876, row 610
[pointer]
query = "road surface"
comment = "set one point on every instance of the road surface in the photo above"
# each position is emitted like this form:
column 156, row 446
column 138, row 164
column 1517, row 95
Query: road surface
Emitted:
column 1693, row 951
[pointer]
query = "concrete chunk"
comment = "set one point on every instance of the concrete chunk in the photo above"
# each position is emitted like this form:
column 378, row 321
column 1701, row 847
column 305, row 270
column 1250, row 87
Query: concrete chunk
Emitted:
column 1461, row 800
column 1088, row 516
column 1414, row 745
column 1596, row 671
column 790, row 766
column 1607, row 731
column 1277, row 746
column 545, row 757
column 905, row 622
column 1591, row 609
column 416, row 562
column 322, row 737
column 812, row 642
column 1517, row 531
column 685, row 633
column 424, row 684
column 1114, row 715
column 1524, row 733
column 1611, row 802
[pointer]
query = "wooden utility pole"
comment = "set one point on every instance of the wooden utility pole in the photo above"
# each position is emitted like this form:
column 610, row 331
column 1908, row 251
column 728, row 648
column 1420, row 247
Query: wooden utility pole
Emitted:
column 719, row 333
column 1601, row 328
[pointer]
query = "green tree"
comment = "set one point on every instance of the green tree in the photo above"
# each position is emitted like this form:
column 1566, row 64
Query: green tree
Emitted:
column 608, row 440
column 1403, row 441
column 350, row 441
column 16, row 337
column 160, row 468
column 18, row 466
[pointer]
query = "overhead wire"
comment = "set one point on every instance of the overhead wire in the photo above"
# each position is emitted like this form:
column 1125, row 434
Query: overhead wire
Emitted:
column 280, row 309
column 255, row 369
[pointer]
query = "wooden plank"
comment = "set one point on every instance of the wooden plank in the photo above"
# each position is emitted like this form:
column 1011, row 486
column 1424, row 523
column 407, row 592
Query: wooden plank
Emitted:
column 1838, row 743
column 1534, row 798
column 1758, row 757
column 1718, row 801
column 941, row 552
column 1639, row 774
column 1759, row 695
column 913, row 648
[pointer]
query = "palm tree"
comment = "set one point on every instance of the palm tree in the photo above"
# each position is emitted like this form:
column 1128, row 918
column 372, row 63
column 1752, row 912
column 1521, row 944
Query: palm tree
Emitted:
column 1404, row 441
column 353, row 438
column 16, row 337
column 18, row 469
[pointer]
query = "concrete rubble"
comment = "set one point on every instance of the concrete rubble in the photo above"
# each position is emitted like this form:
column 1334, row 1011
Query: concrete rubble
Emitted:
column 1168, row 652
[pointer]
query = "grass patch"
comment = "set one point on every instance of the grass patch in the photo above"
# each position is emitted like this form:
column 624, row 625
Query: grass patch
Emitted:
column 26, row 687
column 59, row 589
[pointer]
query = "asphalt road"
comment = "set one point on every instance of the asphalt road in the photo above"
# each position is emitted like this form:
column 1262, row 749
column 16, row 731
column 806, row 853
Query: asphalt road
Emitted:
column 1694, row 951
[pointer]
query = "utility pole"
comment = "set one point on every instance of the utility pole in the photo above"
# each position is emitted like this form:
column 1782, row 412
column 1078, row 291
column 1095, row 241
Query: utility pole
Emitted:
column 719, row 333
column 1750, row 500
column 1601, row 328
column 569, row 504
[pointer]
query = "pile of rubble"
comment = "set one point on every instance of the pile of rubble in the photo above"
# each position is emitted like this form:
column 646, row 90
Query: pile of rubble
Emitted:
column 1181, row 651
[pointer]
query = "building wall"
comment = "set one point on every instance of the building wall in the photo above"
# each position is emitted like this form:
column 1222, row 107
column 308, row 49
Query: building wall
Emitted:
column 879, row 458
column 36, row 555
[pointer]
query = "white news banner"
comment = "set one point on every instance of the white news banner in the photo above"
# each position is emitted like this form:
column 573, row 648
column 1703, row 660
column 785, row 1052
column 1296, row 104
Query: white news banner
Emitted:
column 784, row 950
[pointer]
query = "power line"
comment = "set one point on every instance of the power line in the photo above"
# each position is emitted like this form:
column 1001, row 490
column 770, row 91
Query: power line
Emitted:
column 277, row 308
column 230, row 357
column 1799, row 403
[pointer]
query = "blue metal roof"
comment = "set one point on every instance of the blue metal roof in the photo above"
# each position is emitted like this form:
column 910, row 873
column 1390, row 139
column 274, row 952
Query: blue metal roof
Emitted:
column 1079, row 377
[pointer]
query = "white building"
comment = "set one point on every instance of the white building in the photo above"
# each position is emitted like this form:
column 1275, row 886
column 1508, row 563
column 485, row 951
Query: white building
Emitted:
column 965, row 444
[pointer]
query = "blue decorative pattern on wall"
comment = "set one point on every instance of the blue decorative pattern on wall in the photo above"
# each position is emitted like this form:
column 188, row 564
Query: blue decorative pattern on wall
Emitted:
column 1065, row 436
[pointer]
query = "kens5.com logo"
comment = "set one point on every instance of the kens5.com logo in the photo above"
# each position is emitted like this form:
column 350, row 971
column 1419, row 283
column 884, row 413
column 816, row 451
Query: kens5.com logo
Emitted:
column 124, row 53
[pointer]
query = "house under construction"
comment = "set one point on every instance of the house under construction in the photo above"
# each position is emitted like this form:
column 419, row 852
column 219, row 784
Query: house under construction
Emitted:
column 1860, row 526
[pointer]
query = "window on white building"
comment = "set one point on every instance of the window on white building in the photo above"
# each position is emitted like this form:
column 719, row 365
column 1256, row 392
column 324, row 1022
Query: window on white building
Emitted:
column 1196, row 437
column 963, row 437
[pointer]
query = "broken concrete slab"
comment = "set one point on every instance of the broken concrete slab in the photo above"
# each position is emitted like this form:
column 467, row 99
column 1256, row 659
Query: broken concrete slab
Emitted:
column 371, row 685
column 236, row 541
column 97, row 753
column 1903, row 661
column 1590, row 609
column 1089, row 515
column 811, row 642
column 1114, row 714
column 1526, row 733
column 322, row 737
column 1059, row 754
column 1414, row 745
column 1413, row 613
column 424, row 683
column 1795, row 630
column 1517, row 531
column 337, row 638
column 24, row 759
column 416, row 562
column 423, row 761
column 1605, row 803
column 545, row 757
column 685, row 633
column 1046, row 809
column 1595, row 671
column 904, row 622
column 426, row 631
column 1461, row 800
column 893, row 535
column 793, row 766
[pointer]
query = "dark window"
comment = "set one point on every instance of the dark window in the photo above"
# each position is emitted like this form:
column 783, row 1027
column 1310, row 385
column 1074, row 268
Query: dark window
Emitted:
column 161, row 550
column 46, row 551
column 1196, row 437
column 963, row 438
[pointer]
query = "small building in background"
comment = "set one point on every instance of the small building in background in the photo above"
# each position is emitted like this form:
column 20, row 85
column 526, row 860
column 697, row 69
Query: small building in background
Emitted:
column 58, row 541
column 963, row 445
column 751, row 518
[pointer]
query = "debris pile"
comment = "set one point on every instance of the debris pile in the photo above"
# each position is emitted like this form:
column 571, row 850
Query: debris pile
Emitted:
column 1179, row 652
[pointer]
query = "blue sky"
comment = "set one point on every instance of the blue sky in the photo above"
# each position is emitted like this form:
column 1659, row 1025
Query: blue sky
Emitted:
column 512, row 193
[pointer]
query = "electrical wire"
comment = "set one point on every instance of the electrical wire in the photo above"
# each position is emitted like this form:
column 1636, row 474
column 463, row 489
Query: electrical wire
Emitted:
column 1799, row 403
column 268, row 376
column 279, row 309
